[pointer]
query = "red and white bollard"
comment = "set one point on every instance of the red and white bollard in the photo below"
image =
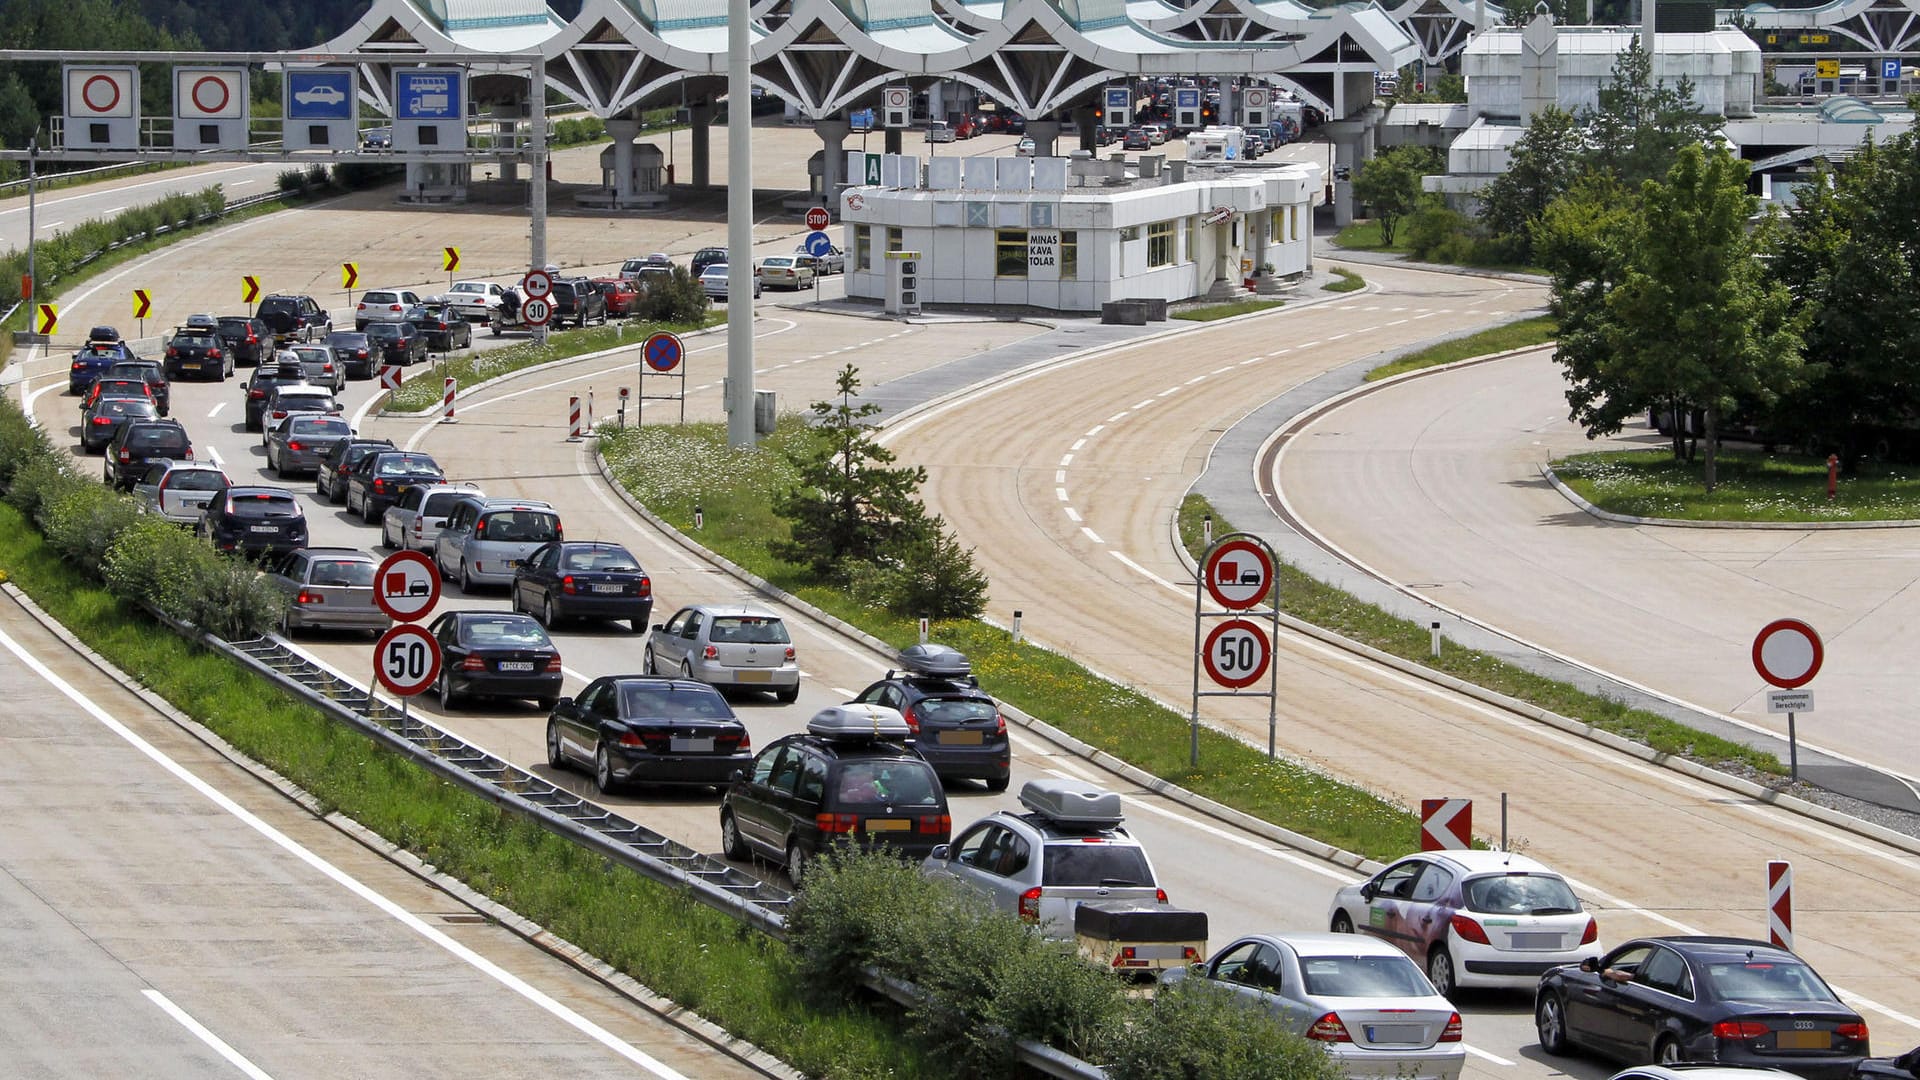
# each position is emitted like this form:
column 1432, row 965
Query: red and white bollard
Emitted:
column 446, row 400
column 573, row 419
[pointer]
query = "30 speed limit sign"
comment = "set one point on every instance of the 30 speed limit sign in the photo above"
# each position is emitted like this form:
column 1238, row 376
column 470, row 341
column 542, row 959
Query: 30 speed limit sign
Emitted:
column 1236, row 653
column 407, row 660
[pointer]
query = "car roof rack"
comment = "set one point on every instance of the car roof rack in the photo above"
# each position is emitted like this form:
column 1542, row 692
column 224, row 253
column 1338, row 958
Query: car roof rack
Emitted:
column 857, row 720
column 942, row 661
column 1073, row 803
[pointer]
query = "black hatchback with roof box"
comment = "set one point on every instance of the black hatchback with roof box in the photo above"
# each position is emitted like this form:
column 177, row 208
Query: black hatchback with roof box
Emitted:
column 139, row 443
column 956, row 726
column 850, row 777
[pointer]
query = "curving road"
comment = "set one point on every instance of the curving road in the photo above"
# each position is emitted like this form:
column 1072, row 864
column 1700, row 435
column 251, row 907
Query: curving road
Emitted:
column 66, row 208
column 1437, row 481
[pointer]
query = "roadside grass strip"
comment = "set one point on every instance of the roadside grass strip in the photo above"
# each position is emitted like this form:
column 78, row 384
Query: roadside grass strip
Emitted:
column 1751, row 486
column 692, row 954
column 1313, row 601
column 423, row 389
column 1211, row 312
column 1349, row 282
column 1514, row 335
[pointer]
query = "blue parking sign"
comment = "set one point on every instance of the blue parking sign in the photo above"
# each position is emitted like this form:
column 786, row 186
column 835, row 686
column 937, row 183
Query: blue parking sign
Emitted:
column 1890, row 70
column 320, row 95
column 1186, row 97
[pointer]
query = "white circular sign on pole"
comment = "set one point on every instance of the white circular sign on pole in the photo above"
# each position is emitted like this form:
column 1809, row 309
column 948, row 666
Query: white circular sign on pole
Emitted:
column 406, row 660
column 896, row 97
column 1236, row 653
column 537, row 311
column 406, row 586
column 538, row 284
column 1788, row 653
column 1237, row 574
column 817, row 218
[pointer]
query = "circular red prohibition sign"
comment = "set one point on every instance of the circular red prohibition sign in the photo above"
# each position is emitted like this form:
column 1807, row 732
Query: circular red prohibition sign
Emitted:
column 217, row 83
column 1788, row 653
column 1236, row 654
column 113, row 87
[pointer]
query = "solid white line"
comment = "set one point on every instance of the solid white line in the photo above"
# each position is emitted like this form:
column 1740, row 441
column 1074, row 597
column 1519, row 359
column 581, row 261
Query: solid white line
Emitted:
column 1479, row 1053
column 200, row 1032
column 215, row 411
column 51, row 224
column 190, row 180
column 841, row 690
column 342, row 878
column 1150, row 575
column 213, row 455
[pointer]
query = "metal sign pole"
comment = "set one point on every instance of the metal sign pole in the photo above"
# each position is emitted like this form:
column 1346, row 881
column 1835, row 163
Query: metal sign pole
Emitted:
column 1193, row 724
column 1273, row 659
column 1793, row 751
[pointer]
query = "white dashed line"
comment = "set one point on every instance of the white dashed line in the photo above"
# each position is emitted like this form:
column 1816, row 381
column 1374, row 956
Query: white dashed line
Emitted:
column 1066, row 460
column 1060, row 492
column 1220, row 369
column 1059, row 476
column 1072, row 514
column 1091, row 535
column 215, row 411
column 1077, row 444
column 1195, row 379
column 1116, row 417
column 1168, row 390
column 1095, row 430
column 1144, row 404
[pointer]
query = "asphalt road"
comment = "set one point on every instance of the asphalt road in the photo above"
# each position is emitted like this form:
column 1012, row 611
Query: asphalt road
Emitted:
column 1436, row 484
column 65, row 208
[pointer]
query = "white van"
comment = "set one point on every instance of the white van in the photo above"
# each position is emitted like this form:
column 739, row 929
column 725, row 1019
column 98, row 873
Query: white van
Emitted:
column 939, row 131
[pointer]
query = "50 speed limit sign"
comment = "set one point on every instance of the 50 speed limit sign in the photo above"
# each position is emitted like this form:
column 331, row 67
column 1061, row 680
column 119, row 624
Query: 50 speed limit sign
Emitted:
column 1236, row 653
column 407, row 659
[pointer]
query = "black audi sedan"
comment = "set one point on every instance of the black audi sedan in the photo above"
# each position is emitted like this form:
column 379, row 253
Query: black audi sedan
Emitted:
column 571, row 579
column 1726, row 1000
column 645, row 729
column 495, row 654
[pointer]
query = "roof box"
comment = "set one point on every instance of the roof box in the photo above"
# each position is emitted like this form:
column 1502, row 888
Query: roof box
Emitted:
column 1128, row 920
column 940, row 660
column 858, row 721
column 1073, row 803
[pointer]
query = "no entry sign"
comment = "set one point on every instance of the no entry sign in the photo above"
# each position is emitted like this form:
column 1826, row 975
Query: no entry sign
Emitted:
column 1787, row 653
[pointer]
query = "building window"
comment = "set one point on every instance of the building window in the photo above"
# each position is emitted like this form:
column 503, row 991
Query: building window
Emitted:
column 1160, row 244
column 863, row 247
column 1069, row 256
column 1193, row 239
column 894, row 240
column 1277, row 225
column 979, row 215
column 1010, row 253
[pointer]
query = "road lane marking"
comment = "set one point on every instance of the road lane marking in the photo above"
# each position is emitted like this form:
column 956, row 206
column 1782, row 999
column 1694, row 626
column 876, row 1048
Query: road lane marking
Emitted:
column 1074, row 516
column 213, row 455
column 1116, row 417
column 1143, row 571
column 215, row 411
column 340, row 877
column 1066, row 460
column 51, row 224
column 1095, row 430
column 1091, row 535
column 1077, row 444
column 199, row 1030
column 1060, row 492
column 45, row 202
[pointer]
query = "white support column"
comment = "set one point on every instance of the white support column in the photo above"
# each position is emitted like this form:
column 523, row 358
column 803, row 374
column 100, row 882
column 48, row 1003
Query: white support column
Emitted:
column 623, row 133
column 833, row 170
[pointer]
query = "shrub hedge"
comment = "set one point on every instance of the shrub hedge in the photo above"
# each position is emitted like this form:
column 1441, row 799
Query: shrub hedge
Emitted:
column 142, row 558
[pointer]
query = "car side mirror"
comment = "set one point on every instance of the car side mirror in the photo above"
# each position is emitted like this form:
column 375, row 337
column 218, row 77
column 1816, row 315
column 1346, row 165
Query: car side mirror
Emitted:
column 1367, row 891
column 1590, row 965
column 940, row 851
column 660, row 627
column 739, row 774
column 563, row 703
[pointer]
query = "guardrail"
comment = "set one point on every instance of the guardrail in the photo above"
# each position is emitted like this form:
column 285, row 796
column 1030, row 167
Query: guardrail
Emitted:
column 10, row 188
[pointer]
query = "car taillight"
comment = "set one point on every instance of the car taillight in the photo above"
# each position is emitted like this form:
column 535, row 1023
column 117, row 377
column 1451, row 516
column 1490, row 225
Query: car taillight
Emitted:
column 628, row 738
column 566, row 585
column 103, row 420
column 126, row 456
column 912, row 718
column 256, row 393
column 213, row 354
column 480, row 528
column 559, row 531
column 393, row 307
column 379, row 487
column 171, row 351
column 936, row 824
column 553, row 664
column 473, row 663
column 1030, row 905
column 1160, row 895
column 1452, row 1033
column 252, row 339
column 1329, row 1029
column 789, row 653
column 645, row 588
column 711, row 653
column 361, row 353
column 1739, row 1029
column 1856, row 1032
column 1592, row 933
column 328, row 366
column 999, row 724
column 295, row 446
column 836, row 823
column 189, row 453
column 306, row 597
column 1469, row 930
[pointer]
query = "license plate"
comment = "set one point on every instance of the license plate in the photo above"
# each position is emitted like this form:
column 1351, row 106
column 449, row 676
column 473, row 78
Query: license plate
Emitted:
column 753, row 676
column 613, row 589
column 960, row 738
column 1396, row 1033
column 195, row 364
column 1534, row 941
column 265, row 528
column 516, row 665
column 888, row 825
column 691, row 746
column 1802, row 1040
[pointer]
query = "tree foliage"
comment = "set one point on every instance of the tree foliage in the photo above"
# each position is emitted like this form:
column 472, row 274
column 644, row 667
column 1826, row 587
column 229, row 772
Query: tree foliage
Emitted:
column 1389, row 184
column 1545, row 164
column 851, row 505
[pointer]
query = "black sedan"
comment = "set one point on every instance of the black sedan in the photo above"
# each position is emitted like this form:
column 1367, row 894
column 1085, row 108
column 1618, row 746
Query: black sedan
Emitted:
column 197, row 350
column 396, row 342
column 495, row 654
column 442, row 324
column 354, row 353
column 1727, row 1000
column 571, row 579
column 379, row 478
column 636, row 729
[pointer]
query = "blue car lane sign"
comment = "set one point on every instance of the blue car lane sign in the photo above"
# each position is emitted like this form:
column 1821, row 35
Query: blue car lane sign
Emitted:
column 326, row 94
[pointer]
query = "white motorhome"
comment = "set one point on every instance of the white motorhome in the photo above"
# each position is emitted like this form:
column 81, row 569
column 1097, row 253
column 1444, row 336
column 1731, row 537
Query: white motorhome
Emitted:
column 1217, row 144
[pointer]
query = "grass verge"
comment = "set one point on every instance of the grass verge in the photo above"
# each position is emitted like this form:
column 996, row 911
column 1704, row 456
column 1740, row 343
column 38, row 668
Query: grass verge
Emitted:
column 1314, row 601
column 734, row 489
column 739, row 979
column 1210, row 312
column 1349, row 282
column 471, row 368
column 1514, row 335
column 1365, row 236
column 1751, row 486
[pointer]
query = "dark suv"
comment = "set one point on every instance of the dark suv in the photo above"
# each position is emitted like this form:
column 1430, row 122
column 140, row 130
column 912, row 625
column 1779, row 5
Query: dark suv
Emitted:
column 255, row 521
column 138, row 444
column 849, row 777
column 265, row 378
column 245, row 339
column 291, row 317
column 704, row 258
column 956, row 726
column 192, row 349
column 330, row 481
column 576, row 300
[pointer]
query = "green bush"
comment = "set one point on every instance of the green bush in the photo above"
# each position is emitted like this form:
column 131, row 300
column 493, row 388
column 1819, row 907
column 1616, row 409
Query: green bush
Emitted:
column 1435, row 233
column 679, row 299
column 152, row 563
column 83, row 521
column 929, row 576
column 1193, row 1031
column 291, row 180
column 39, row 481
column 578, row 131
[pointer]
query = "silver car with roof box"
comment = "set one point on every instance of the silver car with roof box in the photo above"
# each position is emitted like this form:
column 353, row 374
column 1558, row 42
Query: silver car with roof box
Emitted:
column 484, row 540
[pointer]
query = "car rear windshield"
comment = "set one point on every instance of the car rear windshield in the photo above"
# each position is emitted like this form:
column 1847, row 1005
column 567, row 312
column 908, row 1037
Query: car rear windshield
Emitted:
column 520, row 526
column 670, row 703
column 385, row 330
column 315, row 402
column 157, row 438
column 609, row 560
column 357, row 573
column 406, row 465
column 1772, row 979
column 313, row 355
column 380, row 298
column 953, row 710
column 197, row 480
column 236, row 326
column 321, row 425
column 887, row 783
column 1521, row 894
column 1075, row 863
column 281, row 305
column 194, row 341
column 121, row 406
column 749, row 630
column 505, row 631
column 1363, row 976
column 263, row 504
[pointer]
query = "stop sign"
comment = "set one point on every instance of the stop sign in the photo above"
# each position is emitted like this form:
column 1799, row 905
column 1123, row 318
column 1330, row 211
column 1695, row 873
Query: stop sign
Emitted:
column 817, row 218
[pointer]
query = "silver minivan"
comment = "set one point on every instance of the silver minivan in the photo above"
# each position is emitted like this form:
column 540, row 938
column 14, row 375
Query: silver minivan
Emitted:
column 415, row 521
column 485, row 539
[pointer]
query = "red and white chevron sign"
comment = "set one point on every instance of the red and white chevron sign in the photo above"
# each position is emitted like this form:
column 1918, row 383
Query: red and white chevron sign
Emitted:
column 1446, row 824
column 1780, row 904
